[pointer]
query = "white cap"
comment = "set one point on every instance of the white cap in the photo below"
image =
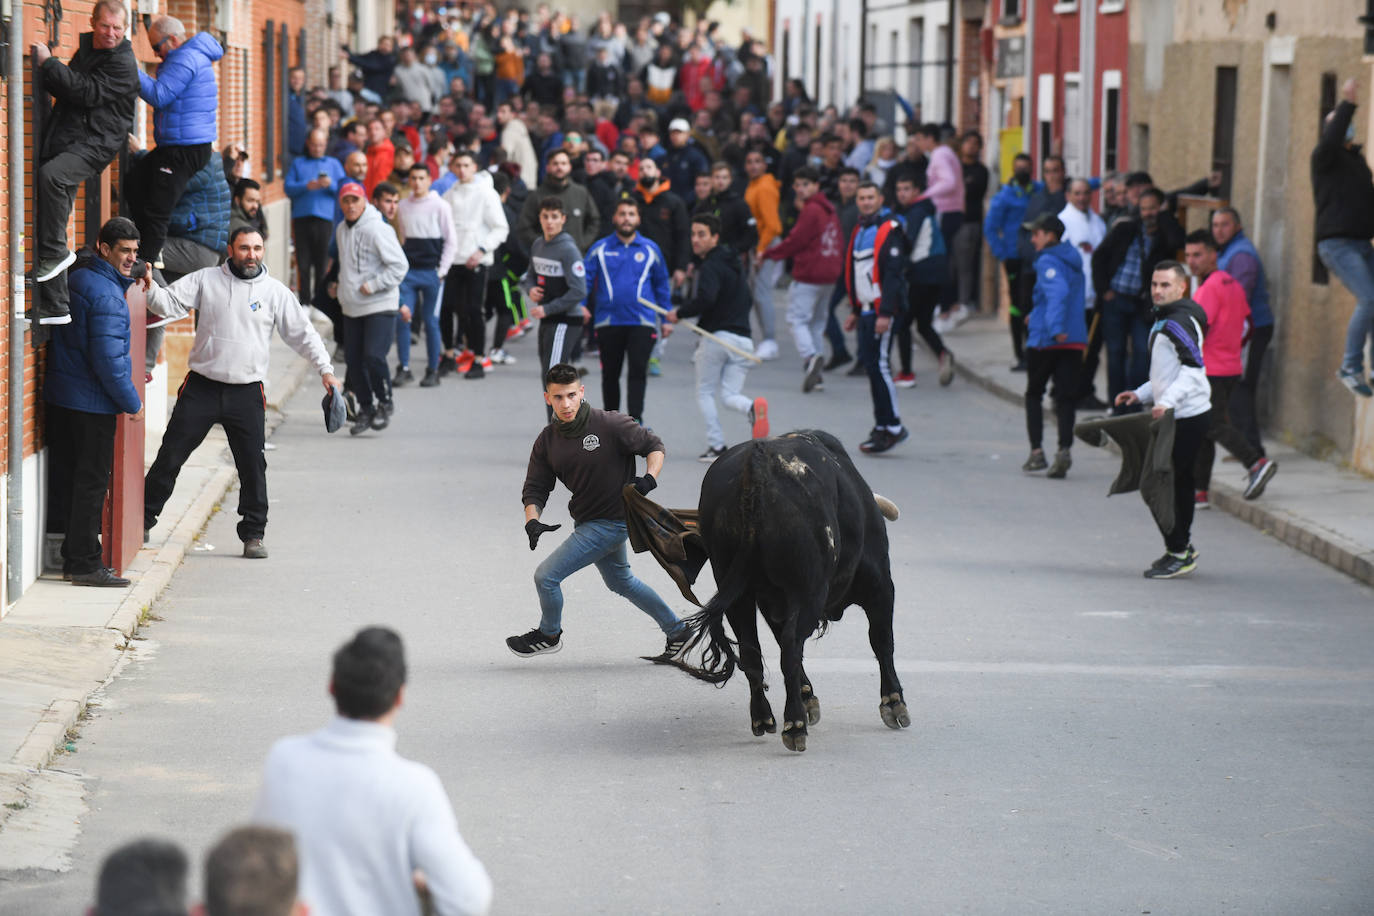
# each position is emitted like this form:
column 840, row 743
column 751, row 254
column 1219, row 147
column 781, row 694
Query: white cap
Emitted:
column 679, row 124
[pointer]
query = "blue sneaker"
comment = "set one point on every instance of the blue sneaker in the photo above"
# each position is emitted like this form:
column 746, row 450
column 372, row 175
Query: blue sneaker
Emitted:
column 1355, row 382
column 655, row 368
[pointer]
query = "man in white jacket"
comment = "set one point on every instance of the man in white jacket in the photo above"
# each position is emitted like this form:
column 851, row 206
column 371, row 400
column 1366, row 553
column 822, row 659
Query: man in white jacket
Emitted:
column 515, row 140
column 238, row 307
column 1177, row 382
column 1085, row 230
column 480, row 227
column 371, row 268
column 372, row 828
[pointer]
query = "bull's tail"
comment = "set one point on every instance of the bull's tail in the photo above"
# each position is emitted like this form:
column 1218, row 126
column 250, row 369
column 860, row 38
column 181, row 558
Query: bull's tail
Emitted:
column 718, row 659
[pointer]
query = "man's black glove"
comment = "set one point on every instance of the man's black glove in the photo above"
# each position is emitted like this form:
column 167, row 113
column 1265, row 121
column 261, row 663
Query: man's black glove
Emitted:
column 534, row 527
column 644, row 484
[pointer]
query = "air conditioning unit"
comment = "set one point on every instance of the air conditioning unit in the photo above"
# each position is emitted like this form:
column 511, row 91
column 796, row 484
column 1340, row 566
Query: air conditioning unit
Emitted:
column 224, row 16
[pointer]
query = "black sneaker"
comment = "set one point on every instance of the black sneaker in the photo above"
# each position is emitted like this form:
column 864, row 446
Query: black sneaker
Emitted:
column 476, row 371
column 382, row 418
column 431, row 379
column 48, row 270
column 351, row 409
column 402, row 377
column 857, row 369
column 838, row 360
column 535, row 642
column 1258, row 477
column 253, row 549
column 1062, row 462
column 881, row 440
column 103, row 577
column 812, row 378
column 52, row 313
column 1036, row 461
column 677, row 642
column 362, row 423
column 1171, row 566
column 447, row 365
column 711, row 454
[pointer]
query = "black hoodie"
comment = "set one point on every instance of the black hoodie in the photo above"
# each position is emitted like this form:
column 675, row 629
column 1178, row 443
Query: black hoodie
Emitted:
column 94, row 96
column 1341, row 183
column 720, row 296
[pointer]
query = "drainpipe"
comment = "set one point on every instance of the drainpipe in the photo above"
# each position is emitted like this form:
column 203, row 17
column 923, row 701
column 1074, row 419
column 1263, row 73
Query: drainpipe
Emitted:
column 14, row 521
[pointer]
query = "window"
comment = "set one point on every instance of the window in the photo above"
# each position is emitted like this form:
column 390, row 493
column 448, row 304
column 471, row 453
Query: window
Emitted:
column 1065, row 7
column 916, row 51
column 1112, row 6
column 1075, row 164
column 1328, row 102
column 1011, row 12
column 1111, row 121
column 1224, row 128
column 1044, row 114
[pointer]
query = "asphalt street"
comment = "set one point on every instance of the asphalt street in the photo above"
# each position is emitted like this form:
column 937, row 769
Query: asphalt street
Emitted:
column 1083, row 740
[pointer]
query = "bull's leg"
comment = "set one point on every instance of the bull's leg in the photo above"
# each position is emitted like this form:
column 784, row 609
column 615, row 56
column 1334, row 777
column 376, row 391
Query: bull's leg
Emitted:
column 744, row 621
column 878, row 606
column 809, row 700
column 794, row 711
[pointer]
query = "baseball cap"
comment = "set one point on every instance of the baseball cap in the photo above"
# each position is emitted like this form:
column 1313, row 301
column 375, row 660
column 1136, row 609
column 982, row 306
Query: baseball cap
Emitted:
column 352, row 189
column 335, row 410
column 1047, row 221
column 679, row 124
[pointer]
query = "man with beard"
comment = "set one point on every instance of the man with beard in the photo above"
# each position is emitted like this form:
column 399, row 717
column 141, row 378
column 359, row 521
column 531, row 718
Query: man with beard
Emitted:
column 606, row 183
column 584, row 219
column 238, row 306
column 246, row 211
column 663, row 218
column 738, row 231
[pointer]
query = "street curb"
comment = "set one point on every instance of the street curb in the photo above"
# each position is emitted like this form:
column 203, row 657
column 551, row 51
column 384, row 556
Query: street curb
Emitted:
column 50, row 732
column 1293, row 530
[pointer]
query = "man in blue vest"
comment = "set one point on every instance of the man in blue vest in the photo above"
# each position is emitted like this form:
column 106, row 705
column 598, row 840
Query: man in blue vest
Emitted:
column 1239, row 258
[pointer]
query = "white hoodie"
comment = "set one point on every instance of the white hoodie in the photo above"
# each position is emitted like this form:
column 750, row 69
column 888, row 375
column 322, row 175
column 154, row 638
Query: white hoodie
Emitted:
column 515, row 140
column 478, row 217
column 236, row 321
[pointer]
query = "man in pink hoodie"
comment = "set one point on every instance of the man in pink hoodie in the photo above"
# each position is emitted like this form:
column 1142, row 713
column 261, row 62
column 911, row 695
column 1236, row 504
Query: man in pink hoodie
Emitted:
column 1228, row 315
column 945, row 189
column 817, row 253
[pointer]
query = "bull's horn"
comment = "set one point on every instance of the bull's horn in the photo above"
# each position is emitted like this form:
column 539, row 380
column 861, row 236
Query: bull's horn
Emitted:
column 886, row 506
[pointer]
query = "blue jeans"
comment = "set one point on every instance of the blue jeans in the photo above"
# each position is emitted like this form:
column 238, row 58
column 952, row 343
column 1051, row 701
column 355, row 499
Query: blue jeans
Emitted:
column 601, row 542
column 421, row 290
column 873, row 354
column 1352, row 261
column 1125, row 320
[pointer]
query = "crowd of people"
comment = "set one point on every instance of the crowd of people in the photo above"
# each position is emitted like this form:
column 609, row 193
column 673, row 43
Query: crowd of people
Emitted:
column 495, row 174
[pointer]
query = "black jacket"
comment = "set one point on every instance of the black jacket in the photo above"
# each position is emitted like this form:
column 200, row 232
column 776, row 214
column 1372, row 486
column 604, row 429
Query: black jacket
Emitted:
column 737, row 227
column 1341, row 183
column 605, row 81
column 544, row 88
column 1111, row 254
column 94, row 96
column 720, row 296
column 606, row 189
column 663, row 220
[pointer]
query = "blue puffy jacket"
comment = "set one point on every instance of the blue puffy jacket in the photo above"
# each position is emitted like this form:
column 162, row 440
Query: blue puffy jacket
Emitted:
column 185, row 95
column 927, row 260
column 1059, row 299
column 619, row 275
column 202, row 214
column 88, row 363
column 1005, row 214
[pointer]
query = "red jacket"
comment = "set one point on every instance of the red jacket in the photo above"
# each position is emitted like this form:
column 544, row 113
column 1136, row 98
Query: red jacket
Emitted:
column 1223, row 299
column 815, row 243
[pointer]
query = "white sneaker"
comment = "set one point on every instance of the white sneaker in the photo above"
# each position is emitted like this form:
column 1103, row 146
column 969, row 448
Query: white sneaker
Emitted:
column 958, row 315
column 767, row 349
column 941, row 324
column 501, row 357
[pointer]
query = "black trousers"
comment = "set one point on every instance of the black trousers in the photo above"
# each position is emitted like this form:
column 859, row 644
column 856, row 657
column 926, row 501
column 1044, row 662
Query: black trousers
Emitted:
column 557, row 344
column 461, row 308
column 1221, row 431
column 1063, row 367
column 1189, row 435
column 920, row 309
column 1243, row 413
column 239, row 409
column 155, row 184
column 621, row 343
column 367, row 341
column 312, row 236
column 949, row 228
column 81, row 454
column 1019, row 308
column 58, row 180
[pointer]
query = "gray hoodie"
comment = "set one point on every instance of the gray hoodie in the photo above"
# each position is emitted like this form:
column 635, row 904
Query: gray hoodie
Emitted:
column 557, row 267
column 369, row 253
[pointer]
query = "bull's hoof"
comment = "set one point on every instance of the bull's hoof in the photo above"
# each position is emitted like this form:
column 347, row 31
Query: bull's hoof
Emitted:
column 813, row 710
column 894, row 712
column 794, row 736
column 764, row 725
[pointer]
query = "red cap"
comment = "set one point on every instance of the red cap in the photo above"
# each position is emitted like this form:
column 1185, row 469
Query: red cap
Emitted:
column 352, row 189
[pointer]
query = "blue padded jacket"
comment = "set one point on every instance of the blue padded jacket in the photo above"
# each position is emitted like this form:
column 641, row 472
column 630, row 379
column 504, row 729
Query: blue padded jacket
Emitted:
column 88, row 363
column 185, row 95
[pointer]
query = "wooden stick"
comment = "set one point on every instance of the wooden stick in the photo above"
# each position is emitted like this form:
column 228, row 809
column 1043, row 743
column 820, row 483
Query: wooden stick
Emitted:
column 703, row 332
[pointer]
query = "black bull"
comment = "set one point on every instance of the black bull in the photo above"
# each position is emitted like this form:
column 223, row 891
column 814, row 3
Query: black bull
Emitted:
column 792, row 528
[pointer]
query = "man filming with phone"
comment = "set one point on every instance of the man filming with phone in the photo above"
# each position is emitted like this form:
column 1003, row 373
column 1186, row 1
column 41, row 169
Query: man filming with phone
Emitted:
column 312, row 183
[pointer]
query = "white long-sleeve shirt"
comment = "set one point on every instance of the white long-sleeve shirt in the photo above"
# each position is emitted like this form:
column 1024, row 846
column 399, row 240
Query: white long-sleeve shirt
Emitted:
column 1172, row 384
column 478, row 218
column 1084, row 231
column 364, row 819
column 237, row 318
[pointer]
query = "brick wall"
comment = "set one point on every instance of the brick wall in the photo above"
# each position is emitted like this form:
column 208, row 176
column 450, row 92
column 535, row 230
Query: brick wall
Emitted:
column 970, row 68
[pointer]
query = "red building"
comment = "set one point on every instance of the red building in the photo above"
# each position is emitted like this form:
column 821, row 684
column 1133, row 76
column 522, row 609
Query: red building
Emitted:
column 1079, row 62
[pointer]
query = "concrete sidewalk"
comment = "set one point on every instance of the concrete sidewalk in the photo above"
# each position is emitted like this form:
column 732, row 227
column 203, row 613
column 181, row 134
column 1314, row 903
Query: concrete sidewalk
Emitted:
column 1311, row 505
column 59, row 644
